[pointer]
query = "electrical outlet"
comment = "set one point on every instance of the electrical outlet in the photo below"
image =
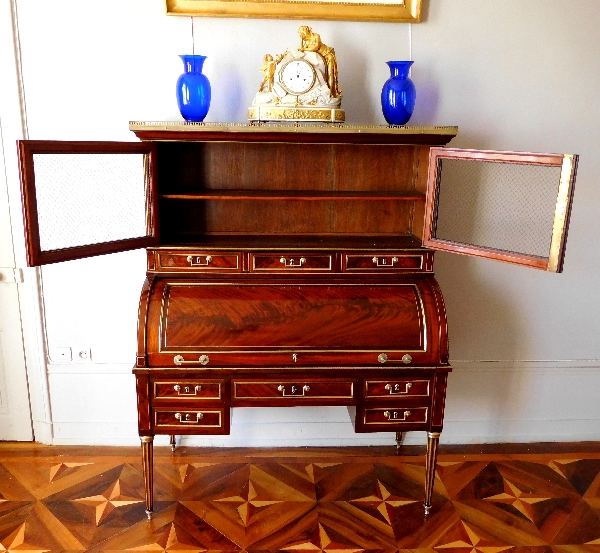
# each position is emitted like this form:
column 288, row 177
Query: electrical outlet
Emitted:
column 60, row 355
column 82, row 355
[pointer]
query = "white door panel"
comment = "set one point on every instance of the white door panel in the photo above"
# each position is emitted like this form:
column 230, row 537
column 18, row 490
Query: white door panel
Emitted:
column 15, row 412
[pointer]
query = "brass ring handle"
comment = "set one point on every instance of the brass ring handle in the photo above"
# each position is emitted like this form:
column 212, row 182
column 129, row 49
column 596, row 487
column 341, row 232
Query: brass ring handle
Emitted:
column 187, row 391
column 290, row 262
column 395, row 415
column 382, row 261
column 305, row 389
column 179, row 360
column 195, row 260
column 395, row 389
column 186, row 418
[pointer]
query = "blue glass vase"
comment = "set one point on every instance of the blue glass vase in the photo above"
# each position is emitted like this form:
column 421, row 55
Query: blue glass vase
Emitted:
column 193, row 89
column 398, row 94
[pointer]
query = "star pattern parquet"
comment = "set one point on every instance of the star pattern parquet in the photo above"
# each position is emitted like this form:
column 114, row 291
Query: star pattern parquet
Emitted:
column 364, row 500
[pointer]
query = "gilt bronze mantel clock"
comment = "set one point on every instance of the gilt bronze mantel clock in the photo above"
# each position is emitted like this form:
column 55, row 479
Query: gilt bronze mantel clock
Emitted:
column 300, row 85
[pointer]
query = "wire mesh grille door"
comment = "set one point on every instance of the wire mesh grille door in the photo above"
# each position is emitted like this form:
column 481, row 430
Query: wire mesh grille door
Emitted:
column 507, row 206
column 89, row 198
column 86, row 198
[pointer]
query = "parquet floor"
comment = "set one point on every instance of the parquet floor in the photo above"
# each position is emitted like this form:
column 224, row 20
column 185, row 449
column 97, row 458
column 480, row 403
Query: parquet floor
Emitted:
column 299, row 501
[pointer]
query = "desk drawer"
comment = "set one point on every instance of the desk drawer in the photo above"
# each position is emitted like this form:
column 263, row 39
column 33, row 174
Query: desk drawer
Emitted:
column 286, row 262
column 388, row 262
column 390, row 418
column 280, row 392
column 198, row 261
column 191, row 421
column 397, row 388
column 187, row 390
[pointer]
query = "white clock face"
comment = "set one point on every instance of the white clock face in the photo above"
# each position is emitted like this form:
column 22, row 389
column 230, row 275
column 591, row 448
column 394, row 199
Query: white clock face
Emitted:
column 297, row 76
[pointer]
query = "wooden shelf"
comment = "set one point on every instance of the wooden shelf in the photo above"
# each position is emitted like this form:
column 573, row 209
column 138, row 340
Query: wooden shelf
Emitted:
column 306, row 242
column 298, row 195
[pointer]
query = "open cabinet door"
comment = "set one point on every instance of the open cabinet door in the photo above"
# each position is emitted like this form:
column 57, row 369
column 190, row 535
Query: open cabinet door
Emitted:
column 87, row 198
column 509, row 206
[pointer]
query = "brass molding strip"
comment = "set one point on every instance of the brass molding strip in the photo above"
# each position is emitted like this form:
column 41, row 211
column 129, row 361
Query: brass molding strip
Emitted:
column 190, row 397
column 162, row 329
column 563, row 200
column 393, row 381
column 395, row 422
column 386, row 268
column 290, row 269
column 317, row 128
column 235, row 385
column 200, row 268
column 194, row 425
column 407, row 368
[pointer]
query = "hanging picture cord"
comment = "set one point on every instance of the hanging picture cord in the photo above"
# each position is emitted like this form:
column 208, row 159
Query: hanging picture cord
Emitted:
column 193, row 41
column 410, row 56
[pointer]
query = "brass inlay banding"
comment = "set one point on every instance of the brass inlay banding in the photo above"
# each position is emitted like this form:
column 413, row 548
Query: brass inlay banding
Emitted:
column 177, row 420
column 392, row 387
column 291, row 263
column 213, row 257
column 391, row 420
column 281, row 388
column 291, row 367
column 379, row 267
column 163, row 348
column 183, row 384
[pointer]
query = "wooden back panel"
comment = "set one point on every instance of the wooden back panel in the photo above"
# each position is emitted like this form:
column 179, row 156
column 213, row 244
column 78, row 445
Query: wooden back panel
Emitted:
column 196, row 167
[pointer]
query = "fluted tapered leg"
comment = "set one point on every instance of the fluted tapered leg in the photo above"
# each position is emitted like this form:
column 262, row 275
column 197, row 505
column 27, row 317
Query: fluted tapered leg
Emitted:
column 432, row 445
column 148, row 463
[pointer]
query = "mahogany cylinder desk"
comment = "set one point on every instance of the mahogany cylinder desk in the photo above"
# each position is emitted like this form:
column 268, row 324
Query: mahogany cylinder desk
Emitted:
column 291, row 265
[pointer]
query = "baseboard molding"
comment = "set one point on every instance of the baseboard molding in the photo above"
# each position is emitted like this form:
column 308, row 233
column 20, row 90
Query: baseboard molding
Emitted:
column 527, row 366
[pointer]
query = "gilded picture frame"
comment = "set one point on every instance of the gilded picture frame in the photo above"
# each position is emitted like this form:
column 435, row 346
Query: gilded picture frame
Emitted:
column 408, row 11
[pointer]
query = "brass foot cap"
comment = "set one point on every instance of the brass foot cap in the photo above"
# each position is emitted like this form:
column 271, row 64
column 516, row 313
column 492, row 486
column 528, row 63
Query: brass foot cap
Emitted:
column 149, row 514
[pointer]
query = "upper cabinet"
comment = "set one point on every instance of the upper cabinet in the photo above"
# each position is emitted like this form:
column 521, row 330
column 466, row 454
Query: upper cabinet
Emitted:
column 263, row 186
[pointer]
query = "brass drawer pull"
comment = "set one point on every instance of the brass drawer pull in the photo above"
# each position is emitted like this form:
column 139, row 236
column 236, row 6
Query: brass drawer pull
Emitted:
column 305, row 389
column 187, row 390
column 196, row 260
column 395, row 415
column 382, row 261
column 186, row 418
column 179, row 360
column 383, row 358
column 395, row 389
column 290, row 262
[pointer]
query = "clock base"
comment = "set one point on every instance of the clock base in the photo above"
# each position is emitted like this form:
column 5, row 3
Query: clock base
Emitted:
column 296, row 113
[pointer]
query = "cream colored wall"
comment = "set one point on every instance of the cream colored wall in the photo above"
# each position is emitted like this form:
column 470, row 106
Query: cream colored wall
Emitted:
column 512, row 74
